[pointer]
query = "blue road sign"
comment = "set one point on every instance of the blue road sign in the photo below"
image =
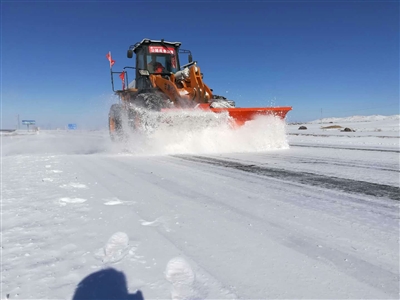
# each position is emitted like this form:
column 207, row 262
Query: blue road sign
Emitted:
column 72, row 126
column 28, row 122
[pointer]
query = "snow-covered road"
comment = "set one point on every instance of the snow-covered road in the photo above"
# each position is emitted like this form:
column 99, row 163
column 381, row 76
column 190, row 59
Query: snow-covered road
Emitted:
column 310, row 221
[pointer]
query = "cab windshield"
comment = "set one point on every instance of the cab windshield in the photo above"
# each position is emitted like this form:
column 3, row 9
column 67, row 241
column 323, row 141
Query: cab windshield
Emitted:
column 161, row 59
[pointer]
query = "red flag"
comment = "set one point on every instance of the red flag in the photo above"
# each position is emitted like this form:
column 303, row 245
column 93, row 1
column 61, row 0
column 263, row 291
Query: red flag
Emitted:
column 122, row 76
column 112, row 62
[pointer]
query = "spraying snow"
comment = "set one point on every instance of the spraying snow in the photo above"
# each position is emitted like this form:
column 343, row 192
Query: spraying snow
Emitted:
column 195, row 132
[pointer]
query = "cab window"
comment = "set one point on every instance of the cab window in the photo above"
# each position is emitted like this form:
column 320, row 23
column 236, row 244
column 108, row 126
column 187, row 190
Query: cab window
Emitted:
column 167, row 61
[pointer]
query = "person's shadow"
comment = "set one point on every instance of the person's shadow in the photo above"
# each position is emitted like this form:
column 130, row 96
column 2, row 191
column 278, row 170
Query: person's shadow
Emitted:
column 105, row 284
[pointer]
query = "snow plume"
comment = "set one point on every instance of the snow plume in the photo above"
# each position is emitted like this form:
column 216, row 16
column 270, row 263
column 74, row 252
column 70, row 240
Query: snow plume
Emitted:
column 195, row 132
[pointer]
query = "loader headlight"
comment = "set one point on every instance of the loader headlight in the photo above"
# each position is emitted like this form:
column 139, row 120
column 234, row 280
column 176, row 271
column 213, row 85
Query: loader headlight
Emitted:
column 144, row 72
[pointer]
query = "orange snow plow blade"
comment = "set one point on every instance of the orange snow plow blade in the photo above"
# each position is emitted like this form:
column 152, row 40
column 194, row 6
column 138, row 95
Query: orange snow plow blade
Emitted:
column 242, row 115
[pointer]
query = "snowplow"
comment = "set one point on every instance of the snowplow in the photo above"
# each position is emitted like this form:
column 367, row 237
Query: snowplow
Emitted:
column 162, row 85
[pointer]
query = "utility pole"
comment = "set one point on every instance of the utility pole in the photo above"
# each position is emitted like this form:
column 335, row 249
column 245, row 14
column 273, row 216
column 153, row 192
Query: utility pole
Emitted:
column 321, row 115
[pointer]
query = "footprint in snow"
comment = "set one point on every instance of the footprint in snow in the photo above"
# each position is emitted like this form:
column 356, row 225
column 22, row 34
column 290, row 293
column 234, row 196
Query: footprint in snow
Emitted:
column 116, row 248
column 183, row 280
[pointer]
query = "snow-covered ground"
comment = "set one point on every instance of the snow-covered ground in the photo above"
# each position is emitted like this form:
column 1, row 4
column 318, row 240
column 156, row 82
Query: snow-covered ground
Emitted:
column 268, row 211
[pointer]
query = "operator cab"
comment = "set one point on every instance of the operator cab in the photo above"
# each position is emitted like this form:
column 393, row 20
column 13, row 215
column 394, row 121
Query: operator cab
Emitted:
column 154, row 57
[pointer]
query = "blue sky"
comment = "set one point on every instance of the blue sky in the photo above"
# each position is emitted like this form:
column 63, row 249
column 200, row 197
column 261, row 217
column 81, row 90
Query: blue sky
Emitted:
column 338, row 57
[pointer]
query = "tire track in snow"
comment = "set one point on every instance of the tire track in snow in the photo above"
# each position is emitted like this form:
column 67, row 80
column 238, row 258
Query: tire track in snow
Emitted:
column 326, row 161
column 322, row 181
column 345, row 148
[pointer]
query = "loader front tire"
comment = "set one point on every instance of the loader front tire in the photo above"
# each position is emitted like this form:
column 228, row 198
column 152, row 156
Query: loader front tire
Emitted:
column 152, row 101
column 115, row 122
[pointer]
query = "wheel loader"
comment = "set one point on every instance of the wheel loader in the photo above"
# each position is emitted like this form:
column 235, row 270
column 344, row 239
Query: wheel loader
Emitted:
column 162, row 84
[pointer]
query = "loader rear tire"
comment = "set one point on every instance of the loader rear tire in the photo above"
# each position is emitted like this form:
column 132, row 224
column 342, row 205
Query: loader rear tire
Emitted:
column 115, row 122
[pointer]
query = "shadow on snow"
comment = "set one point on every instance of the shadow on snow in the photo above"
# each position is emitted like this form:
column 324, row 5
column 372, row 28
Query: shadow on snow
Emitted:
column 105, row 284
